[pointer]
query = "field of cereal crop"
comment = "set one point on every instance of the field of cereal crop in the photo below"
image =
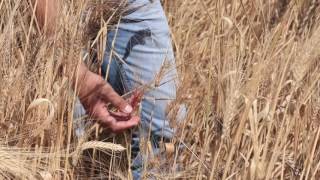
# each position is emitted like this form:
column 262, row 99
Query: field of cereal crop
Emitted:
column 249, row 74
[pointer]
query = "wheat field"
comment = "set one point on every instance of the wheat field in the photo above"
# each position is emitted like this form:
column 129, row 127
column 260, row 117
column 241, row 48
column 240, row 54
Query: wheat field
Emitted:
column 249, row 75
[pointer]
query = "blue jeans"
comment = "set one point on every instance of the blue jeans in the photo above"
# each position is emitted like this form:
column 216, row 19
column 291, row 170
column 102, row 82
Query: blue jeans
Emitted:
column 142, row 49
column 142, row 55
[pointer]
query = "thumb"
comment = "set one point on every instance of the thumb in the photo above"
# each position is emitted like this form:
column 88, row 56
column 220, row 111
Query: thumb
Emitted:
column 109, row 95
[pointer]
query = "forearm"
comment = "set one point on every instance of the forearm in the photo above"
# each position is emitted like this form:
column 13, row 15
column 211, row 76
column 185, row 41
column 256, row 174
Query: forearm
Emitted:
column 83, row 78
column 47, row 13
column 93, row 91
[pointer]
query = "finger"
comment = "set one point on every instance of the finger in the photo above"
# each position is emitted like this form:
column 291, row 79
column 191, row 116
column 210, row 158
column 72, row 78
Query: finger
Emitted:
column 120, row 126
column 102, row 115
column 107, row 122
column 120, row 116
column 109, row 95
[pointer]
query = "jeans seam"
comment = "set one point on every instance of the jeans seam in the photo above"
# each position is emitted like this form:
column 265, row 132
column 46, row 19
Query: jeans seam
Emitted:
column 126, row 84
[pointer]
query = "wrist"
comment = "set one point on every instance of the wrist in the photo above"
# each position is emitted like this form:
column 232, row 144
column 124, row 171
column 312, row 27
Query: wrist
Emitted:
column 91, row 84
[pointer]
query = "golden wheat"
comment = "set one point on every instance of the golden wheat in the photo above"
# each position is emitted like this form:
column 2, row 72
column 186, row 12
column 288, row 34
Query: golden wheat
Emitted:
column 249, row 74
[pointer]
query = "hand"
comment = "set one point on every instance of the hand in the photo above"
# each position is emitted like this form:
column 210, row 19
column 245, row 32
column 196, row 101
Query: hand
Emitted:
column 95, row 93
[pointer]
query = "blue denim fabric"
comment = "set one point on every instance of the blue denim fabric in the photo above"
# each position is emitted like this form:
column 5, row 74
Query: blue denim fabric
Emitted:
column 142, row 47
column 142, row 50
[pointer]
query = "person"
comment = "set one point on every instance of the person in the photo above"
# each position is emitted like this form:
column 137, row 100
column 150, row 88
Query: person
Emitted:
column 138, row 53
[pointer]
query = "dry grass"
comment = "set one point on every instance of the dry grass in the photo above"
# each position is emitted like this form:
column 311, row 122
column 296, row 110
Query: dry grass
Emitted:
column 250, row 73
